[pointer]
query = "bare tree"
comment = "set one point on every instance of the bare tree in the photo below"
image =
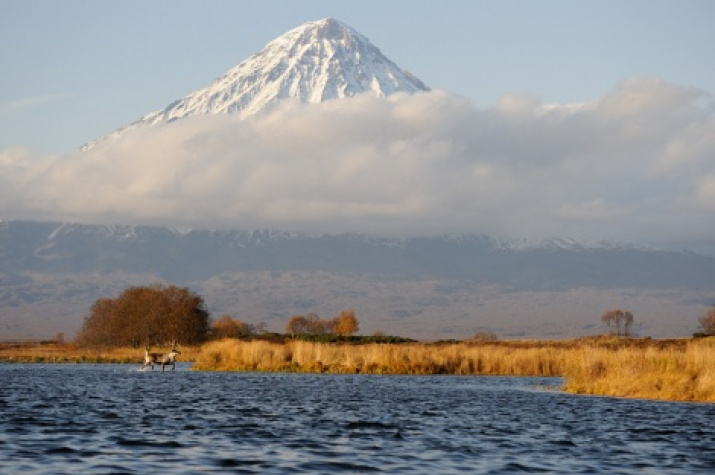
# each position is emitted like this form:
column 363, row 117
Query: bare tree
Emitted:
column 297, row 325
column 484, row 336
column 627, row 323
column 707, row 321
column 317, row 325
column 619, row 320
column 609, row 319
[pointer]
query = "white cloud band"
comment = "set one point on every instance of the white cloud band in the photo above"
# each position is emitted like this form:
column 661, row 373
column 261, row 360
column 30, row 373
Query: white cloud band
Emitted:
column 636, row 164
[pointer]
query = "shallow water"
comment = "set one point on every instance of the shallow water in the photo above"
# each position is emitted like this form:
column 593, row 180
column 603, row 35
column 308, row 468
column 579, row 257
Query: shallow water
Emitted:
column 115, row 419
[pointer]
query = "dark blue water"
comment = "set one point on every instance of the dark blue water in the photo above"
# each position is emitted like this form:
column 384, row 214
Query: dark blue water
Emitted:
column 113, row 419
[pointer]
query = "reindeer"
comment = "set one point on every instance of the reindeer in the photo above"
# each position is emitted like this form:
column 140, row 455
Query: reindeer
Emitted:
column 150, row 359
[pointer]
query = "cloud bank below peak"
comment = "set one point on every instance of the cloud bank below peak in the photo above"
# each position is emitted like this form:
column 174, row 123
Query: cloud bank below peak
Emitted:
column 633, row 165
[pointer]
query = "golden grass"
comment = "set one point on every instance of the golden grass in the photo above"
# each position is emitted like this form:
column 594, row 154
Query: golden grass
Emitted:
column 676, row 370
column 678, row 373
column 70, row 353
column 413, row 358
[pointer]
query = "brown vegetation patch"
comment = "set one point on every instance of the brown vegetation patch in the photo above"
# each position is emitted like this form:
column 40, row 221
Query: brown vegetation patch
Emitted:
column 680, row 370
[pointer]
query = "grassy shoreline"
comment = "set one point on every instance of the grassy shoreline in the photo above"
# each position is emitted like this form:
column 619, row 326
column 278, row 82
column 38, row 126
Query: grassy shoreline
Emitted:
column 69, row 353
column 672, row 370
column 377, row 358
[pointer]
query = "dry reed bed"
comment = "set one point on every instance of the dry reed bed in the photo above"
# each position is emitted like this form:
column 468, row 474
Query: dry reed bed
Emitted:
column 685, row 373
column 69, row 353
column 414, row 358
column 669, row 370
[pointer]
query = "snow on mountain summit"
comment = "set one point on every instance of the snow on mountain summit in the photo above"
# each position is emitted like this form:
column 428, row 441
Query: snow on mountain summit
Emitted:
column 317, row 61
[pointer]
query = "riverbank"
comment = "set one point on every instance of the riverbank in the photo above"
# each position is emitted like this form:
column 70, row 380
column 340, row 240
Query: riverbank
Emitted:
column 675, row 370
column 53, row 352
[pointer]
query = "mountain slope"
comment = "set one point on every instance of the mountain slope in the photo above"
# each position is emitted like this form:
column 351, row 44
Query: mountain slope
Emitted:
column 429, row 287
column 186, row 256
column 315, row 62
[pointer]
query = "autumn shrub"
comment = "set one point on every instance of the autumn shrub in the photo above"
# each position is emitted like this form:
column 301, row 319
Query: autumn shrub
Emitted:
column 153, row 315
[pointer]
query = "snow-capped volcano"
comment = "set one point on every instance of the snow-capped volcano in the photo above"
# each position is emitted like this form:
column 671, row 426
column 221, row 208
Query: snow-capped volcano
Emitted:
column 315, row 62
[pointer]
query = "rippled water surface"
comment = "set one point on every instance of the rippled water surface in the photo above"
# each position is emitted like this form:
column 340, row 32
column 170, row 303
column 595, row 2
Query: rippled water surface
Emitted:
column 115, row 419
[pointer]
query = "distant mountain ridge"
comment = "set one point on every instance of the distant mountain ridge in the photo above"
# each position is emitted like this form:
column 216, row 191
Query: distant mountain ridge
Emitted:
column 183, row 255
column 315, row 62
column 422, row 287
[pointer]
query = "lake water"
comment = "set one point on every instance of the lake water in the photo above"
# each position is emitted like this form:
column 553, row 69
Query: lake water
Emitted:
column 114, row 419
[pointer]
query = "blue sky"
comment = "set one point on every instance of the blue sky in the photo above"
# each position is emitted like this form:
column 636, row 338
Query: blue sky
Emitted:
column 75, row 70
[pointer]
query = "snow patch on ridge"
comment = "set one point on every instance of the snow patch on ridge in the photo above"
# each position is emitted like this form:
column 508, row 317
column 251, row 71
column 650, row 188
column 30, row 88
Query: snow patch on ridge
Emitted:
column 315, row 62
